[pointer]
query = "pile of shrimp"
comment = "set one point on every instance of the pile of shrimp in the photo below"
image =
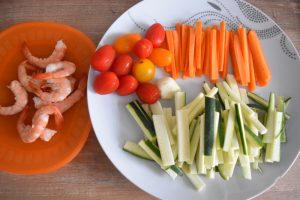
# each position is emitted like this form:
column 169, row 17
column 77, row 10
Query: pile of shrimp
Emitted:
column 52, row 84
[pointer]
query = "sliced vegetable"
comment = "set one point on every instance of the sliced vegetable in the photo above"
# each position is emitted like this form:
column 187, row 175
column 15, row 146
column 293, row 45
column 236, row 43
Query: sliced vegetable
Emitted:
column 209, row 125
column 261, row 67
column 183, row 136
column 142, row 119
column 136, row 150
column 163, row 140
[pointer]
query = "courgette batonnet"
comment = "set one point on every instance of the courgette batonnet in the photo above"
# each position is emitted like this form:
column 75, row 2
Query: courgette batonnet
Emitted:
column 213, row 134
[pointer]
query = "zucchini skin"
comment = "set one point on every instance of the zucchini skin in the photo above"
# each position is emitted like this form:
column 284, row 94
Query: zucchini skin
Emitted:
column 210, row 107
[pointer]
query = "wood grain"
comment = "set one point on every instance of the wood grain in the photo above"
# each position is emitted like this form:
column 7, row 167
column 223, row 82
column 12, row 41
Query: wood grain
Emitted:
column 91, row 175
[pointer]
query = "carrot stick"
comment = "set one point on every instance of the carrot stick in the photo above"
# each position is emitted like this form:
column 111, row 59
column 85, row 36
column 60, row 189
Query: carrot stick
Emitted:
column 233, row 57
column 252, row 83
column 222, row 45
column 218, row 48
column 242, row 34
column 226, row 52
column 184, row 33
column 191, row 47
column 213, row 67
column 186, row 62
column 207, row 52
column 170, row 42
column 261, row 67
column 198, row 39
column 187, row 47
column 176, row 53
column 239, row 60
column 178, row 29
column 203, row 45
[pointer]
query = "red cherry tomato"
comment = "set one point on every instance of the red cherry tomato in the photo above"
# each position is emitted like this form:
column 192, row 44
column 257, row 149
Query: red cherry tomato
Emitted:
column 143, row 48
column 128, row 85
column 103, row 58
column 122, row 65
column 156, row 34
column 106, row 83
column 148, row 93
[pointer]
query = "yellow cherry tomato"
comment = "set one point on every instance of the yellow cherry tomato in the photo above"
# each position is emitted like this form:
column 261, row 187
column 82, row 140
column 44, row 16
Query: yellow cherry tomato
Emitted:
column 143, row 70
column 161, row 57
column 125, row 43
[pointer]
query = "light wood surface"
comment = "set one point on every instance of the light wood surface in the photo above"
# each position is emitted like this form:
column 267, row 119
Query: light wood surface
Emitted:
column 91, row 175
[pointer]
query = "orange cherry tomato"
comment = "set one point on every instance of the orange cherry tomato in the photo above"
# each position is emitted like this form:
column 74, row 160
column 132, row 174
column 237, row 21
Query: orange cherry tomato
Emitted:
column 143, row 48
column 103, row 58
column 106, row 83
column 161, row 57
column 125, row 43
column 156, row 34
column 143, row 70
column 128, row 85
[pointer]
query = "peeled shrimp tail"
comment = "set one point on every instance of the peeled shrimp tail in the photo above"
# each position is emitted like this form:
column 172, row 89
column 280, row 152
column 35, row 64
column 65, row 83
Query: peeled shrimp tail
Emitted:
column 57, row 70
column 57, row 55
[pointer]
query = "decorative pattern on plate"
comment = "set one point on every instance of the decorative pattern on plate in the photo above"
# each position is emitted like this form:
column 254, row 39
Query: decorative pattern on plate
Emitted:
column 251, row 13
column 284, row 46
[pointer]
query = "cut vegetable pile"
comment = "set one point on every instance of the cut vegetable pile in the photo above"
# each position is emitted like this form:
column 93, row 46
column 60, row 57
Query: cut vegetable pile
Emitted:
column 213, row 133
column 198, row 50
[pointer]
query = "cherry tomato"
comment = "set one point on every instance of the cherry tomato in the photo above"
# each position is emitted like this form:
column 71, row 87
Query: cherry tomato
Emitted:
column 128, row 85
column 148, row 93
column 156, row 34
column 161, row 57
column 143, row 48
column 143, row 70
column 106, row 83
column 103, row 58
column 125, row 43
column 122, row 65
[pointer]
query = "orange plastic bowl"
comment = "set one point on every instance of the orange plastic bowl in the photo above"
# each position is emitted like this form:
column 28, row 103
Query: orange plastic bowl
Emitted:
column 40, row 156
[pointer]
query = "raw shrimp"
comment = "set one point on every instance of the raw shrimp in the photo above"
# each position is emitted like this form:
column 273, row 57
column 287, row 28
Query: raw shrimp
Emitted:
column 25, row 79
column 57, row 55
column 21, row 98
column 69, row 101
column 40, row 120
column 59, row 89
column 57, row 70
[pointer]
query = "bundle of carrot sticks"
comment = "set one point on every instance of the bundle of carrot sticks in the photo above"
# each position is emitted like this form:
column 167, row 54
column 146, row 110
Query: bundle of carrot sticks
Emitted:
column 198, row 50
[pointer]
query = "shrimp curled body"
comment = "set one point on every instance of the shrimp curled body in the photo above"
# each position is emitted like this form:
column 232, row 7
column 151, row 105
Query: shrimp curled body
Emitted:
column 57, row 55
column 21, row 98
column 40, row 120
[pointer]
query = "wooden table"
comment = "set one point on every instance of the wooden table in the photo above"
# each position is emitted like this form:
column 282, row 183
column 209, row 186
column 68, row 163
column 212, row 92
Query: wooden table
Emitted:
column 91, row 175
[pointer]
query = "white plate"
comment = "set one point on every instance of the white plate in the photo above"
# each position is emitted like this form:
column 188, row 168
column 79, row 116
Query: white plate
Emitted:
column 113, row 125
